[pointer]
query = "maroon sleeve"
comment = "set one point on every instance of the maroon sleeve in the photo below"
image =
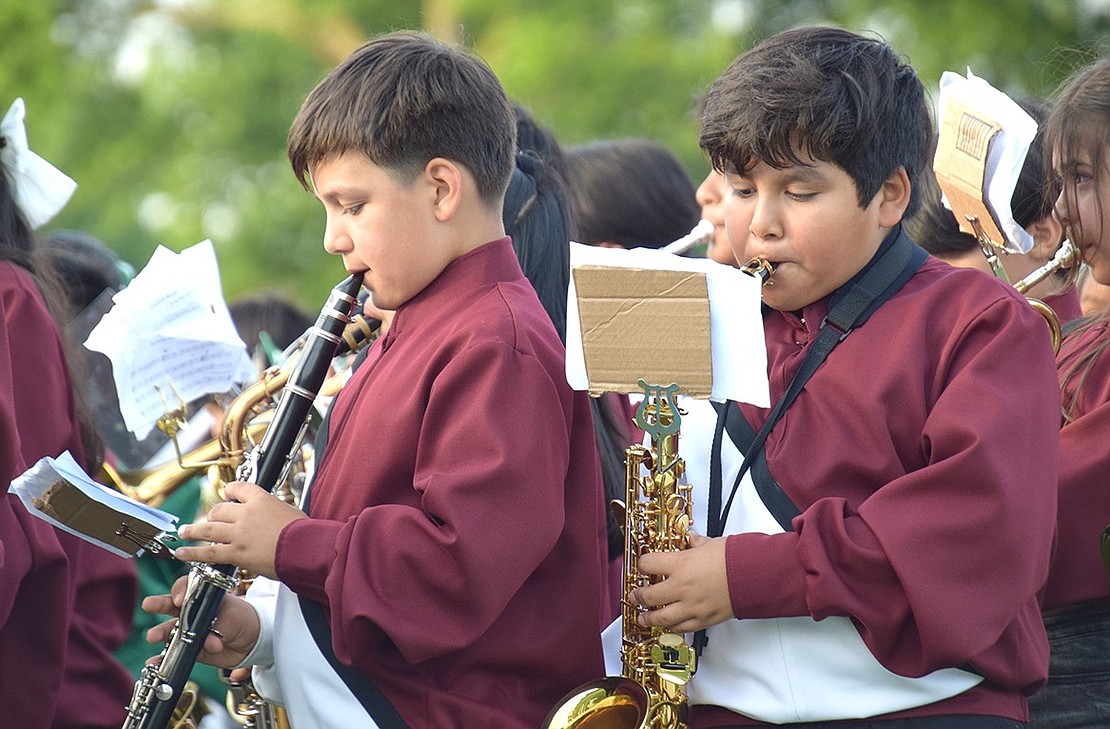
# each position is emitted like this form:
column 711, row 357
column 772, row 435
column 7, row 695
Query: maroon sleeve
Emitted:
column 96, row 686
column 35, row 597
column 1078, row 573
column 490, row 468
column 933, row 566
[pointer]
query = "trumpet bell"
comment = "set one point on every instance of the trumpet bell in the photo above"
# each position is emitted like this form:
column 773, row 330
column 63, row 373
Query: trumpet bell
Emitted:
column 608, row 703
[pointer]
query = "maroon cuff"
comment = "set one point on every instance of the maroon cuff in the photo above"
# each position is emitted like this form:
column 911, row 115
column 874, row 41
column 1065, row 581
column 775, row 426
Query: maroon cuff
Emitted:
column 765, row 577
column 305, row 554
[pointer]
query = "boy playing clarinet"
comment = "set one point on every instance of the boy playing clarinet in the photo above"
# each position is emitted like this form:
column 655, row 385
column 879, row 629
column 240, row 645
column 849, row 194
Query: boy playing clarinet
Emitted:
column 451, row 543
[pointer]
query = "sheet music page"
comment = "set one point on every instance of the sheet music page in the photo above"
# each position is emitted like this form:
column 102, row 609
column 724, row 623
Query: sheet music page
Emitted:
column 170, row 337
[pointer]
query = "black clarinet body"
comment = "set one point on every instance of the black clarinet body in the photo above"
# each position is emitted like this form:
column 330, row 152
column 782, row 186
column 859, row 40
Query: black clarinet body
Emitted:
column 159, row 687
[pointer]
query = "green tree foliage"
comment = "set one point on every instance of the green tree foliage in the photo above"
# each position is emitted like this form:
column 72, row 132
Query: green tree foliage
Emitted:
column 172, row 114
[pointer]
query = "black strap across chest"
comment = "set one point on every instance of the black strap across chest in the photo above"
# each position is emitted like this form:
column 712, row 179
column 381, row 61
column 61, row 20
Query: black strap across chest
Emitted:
column 894, row 264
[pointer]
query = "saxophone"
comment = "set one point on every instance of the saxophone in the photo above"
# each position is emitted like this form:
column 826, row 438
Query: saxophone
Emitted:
column 161, row 686
column 656, row 663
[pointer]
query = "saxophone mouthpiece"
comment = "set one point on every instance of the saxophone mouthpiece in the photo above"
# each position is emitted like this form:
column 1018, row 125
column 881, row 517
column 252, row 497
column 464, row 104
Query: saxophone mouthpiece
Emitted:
column 761, row 269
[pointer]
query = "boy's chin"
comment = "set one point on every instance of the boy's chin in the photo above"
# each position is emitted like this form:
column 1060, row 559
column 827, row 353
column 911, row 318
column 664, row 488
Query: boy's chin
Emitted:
column 785, row 300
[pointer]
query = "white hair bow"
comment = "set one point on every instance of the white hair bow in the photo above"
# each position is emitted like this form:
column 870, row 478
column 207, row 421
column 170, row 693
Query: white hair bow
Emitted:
column 39, row 188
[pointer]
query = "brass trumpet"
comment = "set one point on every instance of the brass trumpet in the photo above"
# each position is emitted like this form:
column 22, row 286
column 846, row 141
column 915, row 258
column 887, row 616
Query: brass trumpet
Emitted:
column 1067, row 256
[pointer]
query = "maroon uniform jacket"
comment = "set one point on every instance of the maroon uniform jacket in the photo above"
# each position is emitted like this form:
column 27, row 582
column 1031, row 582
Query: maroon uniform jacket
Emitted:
column 455, row 538
column 923, row 455
column 48, row 620
column 1078, row 574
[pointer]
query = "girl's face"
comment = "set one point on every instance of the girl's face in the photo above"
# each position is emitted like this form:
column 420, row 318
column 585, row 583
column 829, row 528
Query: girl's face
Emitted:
column 1082, row 209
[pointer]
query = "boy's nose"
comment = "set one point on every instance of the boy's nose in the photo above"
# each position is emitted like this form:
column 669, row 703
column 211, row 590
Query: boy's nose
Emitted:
column 765, row 220
column 336, row 239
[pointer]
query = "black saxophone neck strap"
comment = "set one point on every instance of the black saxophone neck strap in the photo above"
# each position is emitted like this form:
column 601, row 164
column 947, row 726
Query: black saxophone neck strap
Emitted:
column 852, row 304
column 896, row 261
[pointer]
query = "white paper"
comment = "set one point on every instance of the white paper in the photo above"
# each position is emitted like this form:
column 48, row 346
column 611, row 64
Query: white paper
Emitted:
column 735, row 320
column 35, row 481
column 170, row 337
column 1007, row 152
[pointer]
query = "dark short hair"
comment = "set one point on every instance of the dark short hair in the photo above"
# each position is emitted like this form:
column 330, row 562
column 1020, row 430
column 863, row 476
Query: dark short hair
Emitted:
column 86, row 266
column 403, row 99
column 633, row 192
column 833, row 95
column 933, row 226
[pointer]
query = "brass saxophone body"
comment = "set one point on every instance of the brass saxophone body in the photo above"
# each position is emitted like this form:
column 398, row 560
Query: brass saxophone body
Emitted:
column 657, row 519
column 656, row 663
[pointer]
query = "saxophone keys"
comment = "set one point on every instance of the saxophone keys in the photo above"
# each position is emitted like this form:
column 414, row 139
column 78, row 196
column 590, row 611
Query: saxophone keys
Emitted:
column 673, row 658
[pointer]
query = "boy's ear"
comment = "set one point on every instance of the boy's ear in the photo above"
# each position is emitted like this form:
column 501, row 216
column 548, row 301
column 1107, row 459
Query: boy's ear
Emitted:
column 445, row 180
column 894, row 198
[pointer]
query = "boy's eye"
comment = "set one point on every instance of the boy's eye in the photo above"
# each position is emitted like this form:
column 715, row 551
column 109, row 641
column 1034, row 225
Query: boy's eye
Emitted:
column 742, row 192
column 801, row 196
column 353, row 209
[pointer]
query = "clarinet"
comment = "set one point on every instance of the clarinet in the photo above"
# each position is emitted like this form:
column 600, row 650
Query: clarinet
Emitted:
column 159, row 687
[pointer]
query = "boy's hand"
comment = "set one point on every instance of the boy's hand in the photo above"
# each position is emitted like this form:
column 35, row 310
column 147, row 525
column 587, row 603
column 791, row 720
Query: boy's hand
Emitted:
column 694, row 592
column 243, row 530
column 236, row 626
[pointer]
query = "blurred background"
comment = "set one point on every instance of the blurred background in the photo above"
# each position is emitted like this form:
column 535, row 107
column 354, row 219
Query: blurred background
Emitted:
column 172, row 114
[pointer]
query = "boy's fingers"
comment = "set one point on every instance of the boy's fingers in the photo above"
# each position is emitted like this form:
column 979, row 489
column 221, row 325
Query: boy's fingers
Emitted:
column 160, row 604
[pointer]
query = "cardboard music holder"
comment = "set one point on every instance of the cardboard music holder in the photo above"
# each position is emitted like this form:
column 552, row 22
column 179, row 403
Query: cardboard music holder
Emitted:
column 69, row 505
column 960, row 164
column 644, row 324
